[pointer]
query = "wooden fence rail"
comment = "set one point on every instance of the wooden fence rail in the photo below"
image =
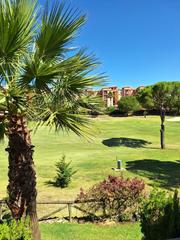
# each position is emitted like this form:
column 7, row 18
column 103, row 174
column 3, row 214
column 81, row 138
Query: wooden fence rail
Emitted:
column 69, row 204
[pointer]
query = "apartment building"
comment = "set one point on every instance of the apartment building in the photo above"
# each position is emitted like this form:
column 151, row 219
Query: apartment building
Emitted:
column 128, row 91
column 111, row 95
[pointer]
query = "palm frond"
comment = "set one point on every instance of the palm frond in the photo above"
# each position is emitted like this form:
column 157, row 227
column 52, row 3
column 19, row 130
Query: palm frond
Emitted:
column 71, row 75
column 13, row 100
column 50, row 110
column 3, row 110
column 35, row 63
column 17, row 28
column 3, row 102
column 38, row 74
column 66, row 121
column 90, row 103
column 59, row 25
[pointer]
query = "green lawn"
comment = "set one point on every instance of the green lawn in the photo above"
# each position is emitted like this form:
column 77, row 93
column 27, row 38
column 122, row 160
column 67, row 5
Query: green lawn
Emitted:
column 90, row 232
column 135, row 140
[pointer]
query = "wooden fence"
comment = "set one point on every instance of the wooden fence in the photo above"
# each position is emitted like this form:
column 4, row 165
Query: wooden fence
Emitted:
column 67, row 205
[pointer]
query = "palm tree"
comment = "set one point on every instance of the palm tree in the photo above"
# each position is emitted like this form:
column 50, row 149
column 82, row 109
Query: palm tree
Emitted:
column 39, row 80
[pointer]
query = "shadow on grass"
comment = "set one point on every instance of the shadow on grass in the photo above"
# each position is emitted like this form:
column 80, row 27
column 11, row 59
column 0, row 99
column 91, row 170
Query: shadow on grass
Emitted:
column 55, row 184
column 51, row 183
column 125, row 142
column 165, row 174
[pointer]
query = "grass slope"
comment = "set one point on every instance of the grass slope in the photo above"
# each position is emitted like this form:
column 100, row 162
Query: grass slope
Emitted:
column 135, row 140
column 90, row 232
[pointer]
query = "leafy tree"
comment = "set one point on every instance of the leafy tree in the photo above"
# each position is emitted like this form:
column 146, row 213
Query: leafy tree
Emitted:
column 145, row 98
column 163, row 97
column 128, row 104
column 175, row 98
column 161, row 93
column 40, row 81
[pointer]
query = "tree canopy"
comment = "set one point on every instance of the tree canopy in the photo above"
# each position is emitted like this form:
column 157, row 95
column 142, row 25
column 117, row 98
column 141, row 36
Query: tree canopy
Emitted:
column 162, row 93
column 128, row 104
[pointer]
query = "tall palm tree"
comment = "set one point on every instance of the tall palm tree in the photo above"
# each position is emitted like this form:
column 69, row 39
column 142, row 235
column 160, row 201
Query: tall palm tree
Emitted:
column 42, row 81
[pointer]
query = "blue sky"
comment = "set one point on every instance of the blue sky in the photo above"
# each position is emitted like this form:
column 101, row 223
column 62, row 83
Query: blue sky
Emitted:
column 137, row 41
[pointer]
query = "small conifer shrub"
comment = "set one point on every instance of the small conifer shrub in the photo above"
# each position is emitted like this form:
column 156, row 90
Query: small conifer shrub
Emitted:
column 64, row 173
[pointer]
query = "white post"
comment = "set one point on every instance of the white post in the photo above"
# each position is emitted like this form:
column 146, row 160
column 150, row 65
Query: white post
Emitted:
column 108, row 102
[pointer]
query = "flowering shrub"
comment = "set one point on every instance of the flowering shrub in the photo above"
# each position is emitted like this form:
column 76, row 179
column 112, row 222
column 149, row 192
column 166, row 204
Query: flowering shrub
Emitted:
column 115, row 197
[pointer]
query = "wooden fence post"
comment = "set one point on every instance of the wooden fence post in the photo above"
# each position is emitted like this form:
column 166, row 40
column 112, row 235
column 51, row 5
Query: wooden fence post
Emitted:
column 1, row 206
column 70, row 211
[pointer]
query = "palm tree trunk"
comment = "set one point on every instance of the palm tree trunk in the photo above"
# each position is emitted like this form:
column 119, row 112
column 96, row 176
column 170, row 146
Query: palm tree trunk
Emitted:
column 162, row 130
column 22, row 176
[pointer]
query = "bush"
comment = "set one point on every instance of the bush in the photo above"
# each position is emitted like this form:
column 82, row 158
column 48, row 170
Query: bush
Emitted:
column 128, row 104
column 110, row 110
column 115, row 198
column 160, row 216
column 5, row 214
column 64, row 173
column 15, row 231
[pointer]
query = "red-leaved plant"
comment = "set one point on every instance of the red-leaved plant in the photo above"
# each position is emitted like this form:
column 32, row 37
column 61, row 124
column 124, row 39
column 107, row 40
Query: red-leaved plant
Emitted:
column 115, row 197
